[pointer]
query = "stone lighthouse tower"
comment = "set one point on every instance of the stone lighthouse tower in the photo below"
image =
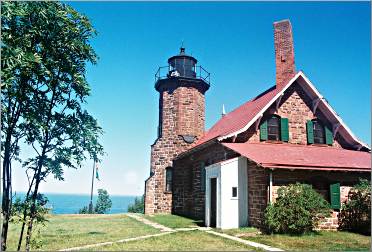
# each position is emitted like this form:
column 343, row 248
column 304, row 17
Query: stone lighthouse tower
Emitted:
column 181, row 86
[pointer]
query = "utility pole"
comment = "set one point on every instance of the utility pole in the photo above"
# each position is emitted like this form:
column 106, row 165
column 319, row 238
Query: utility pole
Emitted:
column 90, row 210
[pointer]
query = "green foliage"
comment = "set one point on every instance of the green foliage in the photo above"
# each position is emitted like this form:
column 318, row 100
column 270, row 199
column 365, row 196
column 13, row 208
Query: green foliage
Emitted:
column 20, row 214
column 298, row 209
column 84, row 210
column 104, row 202
column 355, row 214
column 19, row 206
column 138, row 206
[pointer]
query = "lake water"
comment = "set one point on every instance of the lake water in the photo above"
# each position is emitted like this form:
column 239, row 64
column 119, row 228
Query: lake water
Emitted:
column 71, row 203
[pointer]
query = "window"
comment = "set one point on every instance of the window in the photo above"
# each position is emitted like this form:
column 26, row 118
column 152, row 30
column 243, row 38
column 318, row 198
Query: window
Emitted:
column 168, row 179
column 234, row 192
column 318, row 133
column 318, row 130
column 202, row 176
column 273, row 128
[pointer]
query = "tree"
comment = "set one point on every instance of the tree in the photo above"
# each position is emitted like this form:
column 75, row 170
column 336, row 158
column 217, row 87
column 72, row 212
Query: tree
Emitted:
column 54, row 40
column 18, row 64
column 104, row 202
column 298, row 209
column 138, row 206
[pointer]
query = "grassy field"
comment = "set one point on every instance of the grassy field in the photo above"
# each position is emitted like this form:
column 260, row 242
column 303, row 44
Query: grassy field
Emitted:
column 172, row 221
column 316, row 241
column 65, row 231
column 180, row 241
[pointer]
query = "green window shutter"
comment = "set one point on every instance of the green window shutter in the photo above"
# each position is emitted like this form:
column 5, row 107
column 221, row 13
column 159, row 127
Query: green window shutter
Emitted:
column 310, row 132
column 284, row 132
column 335, row 196
column 328, row 136
column 263, row 131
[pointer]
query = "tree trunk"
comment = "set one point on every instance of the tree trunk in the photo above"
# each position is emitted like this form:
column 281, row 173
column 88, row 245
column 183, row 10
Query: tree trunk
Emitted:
column 33, row 199
column 6, row 197
column 32, row 212
column 24, row 218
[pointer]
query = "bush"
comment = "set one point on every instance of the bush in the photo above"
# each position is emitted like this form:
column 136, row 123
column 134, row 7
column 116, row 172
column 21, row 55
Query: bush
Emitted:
column 104, row 202
column 84, row 210
column 138, row 205
column 355, row 215
column 298, row 209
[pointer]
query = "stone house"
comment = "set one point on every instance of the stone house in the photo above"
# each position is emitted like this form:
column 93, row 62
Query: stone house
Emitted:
column 227, row 175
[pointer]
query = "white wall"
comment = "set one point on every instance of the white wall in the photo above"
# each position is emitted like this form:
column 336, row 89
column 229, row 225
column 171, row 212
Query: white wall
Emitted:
column 243, row 192
column 232, row 212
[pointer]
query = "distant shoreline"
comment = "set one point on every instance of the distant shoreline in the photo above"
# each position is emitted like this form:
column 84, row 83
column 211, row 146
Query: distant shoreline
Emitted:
column 79, row 194
column 67, row 203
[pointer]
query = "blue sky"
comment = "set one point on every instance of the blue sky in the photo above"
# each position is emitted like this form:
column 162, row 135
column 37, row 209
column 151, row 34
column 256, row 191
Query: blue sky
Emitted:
column 234, row 42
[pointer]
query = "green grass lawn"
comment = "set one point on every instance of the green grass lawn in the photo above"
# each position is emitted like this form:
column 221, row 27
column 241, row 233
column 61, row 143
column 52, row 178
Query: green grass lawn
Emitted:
column 65, row 231
column 173, row 221
column 180, row 241
column 316, row 241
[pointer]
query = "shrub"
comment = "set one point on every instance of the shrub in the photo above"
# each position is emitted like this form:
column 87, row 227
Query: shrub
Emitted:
column 355, row 214
column 83, row 210
column 137, row 206
column 298, row 209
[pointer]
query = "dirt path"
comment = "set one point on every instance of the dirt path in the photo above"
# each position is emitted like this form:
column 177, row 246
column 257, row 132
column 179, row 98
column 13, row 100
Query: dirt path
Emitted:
column 150, row 223
column 246, row 242
column 119, row 241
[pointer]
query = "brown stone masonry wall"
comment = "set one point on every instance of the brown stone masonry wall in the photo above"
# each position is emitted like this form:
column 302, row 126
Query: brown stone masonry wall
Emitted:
column 188, row 193
column 257, row 193
column 190, row 115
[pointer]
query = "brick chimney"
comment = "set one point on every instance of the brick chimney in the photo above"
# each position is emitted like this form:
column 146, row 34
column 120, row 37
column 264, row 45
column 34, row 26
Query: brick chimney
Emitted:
column 284, row 53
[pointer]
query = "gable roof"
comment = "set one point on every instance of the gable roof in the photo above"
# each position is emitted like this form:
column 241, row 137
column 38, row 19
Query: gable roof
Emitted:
column 240, row 119
column 292, row 156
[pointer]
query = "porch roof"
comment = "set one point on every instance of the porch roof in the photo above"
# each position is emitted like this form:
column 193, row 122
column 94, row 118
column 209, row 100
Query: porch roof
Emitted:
column 290, row 156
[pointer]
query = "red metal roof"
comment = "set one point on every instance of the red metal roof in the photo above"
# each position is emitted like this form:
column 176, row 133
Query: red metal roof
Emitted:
column 290, row 156
column 239, row 117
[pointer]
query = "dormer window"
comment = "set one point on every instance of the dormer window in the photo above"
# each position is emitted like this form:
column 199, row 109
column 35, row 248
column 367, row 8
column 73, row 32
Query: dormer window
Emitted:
column 274, row 128
column 318, row 133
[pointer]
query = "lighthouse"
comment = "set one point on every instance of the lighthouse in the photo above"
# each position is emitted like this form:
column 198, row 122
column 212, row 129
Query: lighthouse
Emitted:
column 182, row 85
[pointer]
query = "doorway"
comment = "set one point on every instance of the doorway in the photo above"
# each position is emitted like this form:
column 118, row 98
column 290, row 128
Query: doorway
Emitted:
column 213, row 208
